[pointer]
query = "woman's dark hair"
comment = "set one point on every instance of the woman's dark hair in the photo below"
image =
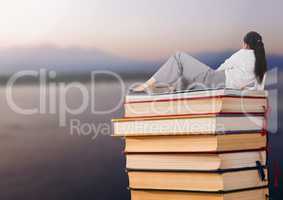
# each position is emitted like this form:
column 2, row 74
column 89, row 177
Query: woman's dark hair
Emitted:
column 254, row 41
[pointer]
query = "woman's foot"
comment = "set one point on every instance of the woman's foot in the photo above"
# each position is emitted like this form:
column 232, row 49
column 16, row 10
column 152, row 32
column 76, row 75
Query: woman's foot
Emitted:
column 140, row 88
column 145, row 86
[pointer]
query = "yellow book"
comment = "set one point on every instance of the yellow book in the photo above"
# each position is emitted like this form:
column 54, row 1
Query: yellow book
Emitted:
column 195, row 143
column 187, row 125
column 195, row 161
column 255, row 194
column 196, row 181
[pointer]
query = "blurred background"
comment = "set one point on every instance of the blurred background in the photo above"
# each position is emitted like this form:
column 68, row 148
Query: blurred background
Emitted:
column 40, row 159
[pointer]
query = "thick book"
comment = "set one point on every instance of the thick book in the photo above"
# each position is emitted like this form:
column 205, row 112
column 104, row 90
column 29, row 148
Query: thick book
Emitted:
column 196, row 143
column 211, row 105
column 187, row 124
column 196, row 94
column 186, row 103
column 195, row 161
column 197, row 181
column 254, row 194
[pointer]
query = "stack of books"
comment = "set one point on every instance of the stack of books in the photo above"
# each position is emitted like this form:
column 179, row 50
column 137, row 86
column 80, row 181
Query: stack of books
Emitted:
column 196, row 145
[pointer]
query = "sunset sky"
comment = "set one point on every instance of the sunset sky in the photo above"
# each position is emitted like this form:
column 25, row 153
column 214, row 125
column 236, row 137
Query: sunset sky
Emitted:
column 143, row 29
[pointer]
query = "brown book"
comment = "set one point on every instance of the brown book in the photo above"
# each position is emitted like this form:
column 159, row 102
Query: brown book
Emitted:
column 255, row 194
column 187, row 124
column 196, row 181
column 200, row 105
column 195, row 161
column 196, row 143
column 190, row 94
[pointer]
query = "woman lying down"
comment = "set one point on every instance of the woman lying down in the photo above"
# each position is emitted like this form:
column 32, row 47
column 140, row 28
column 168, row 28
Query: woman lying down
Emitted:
column 244, row 68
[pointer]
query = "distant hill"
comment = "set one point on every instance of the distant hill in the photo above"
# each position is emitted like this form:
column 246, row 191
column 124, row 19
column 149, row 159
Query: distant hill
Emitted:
column 214, row 59
column 67, row 60
column 275, row 61
column 77, row 60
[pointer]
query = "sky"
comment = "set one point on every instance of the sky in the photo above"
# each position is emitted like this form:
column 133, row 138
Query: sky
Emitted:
column 140, row 29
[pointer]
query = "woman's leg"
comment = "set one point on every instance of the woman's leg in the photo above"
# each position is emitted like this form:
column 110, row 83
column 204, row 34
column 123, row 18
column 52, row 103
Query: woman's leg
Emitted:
column 167, row 74
column 192, row 67
column 180, row 65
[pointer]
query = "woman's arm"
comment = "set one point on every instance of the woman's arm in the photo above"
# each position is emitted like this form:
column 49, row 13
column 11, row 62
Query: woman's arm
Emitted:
column 224, row 65
column 229, row 62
